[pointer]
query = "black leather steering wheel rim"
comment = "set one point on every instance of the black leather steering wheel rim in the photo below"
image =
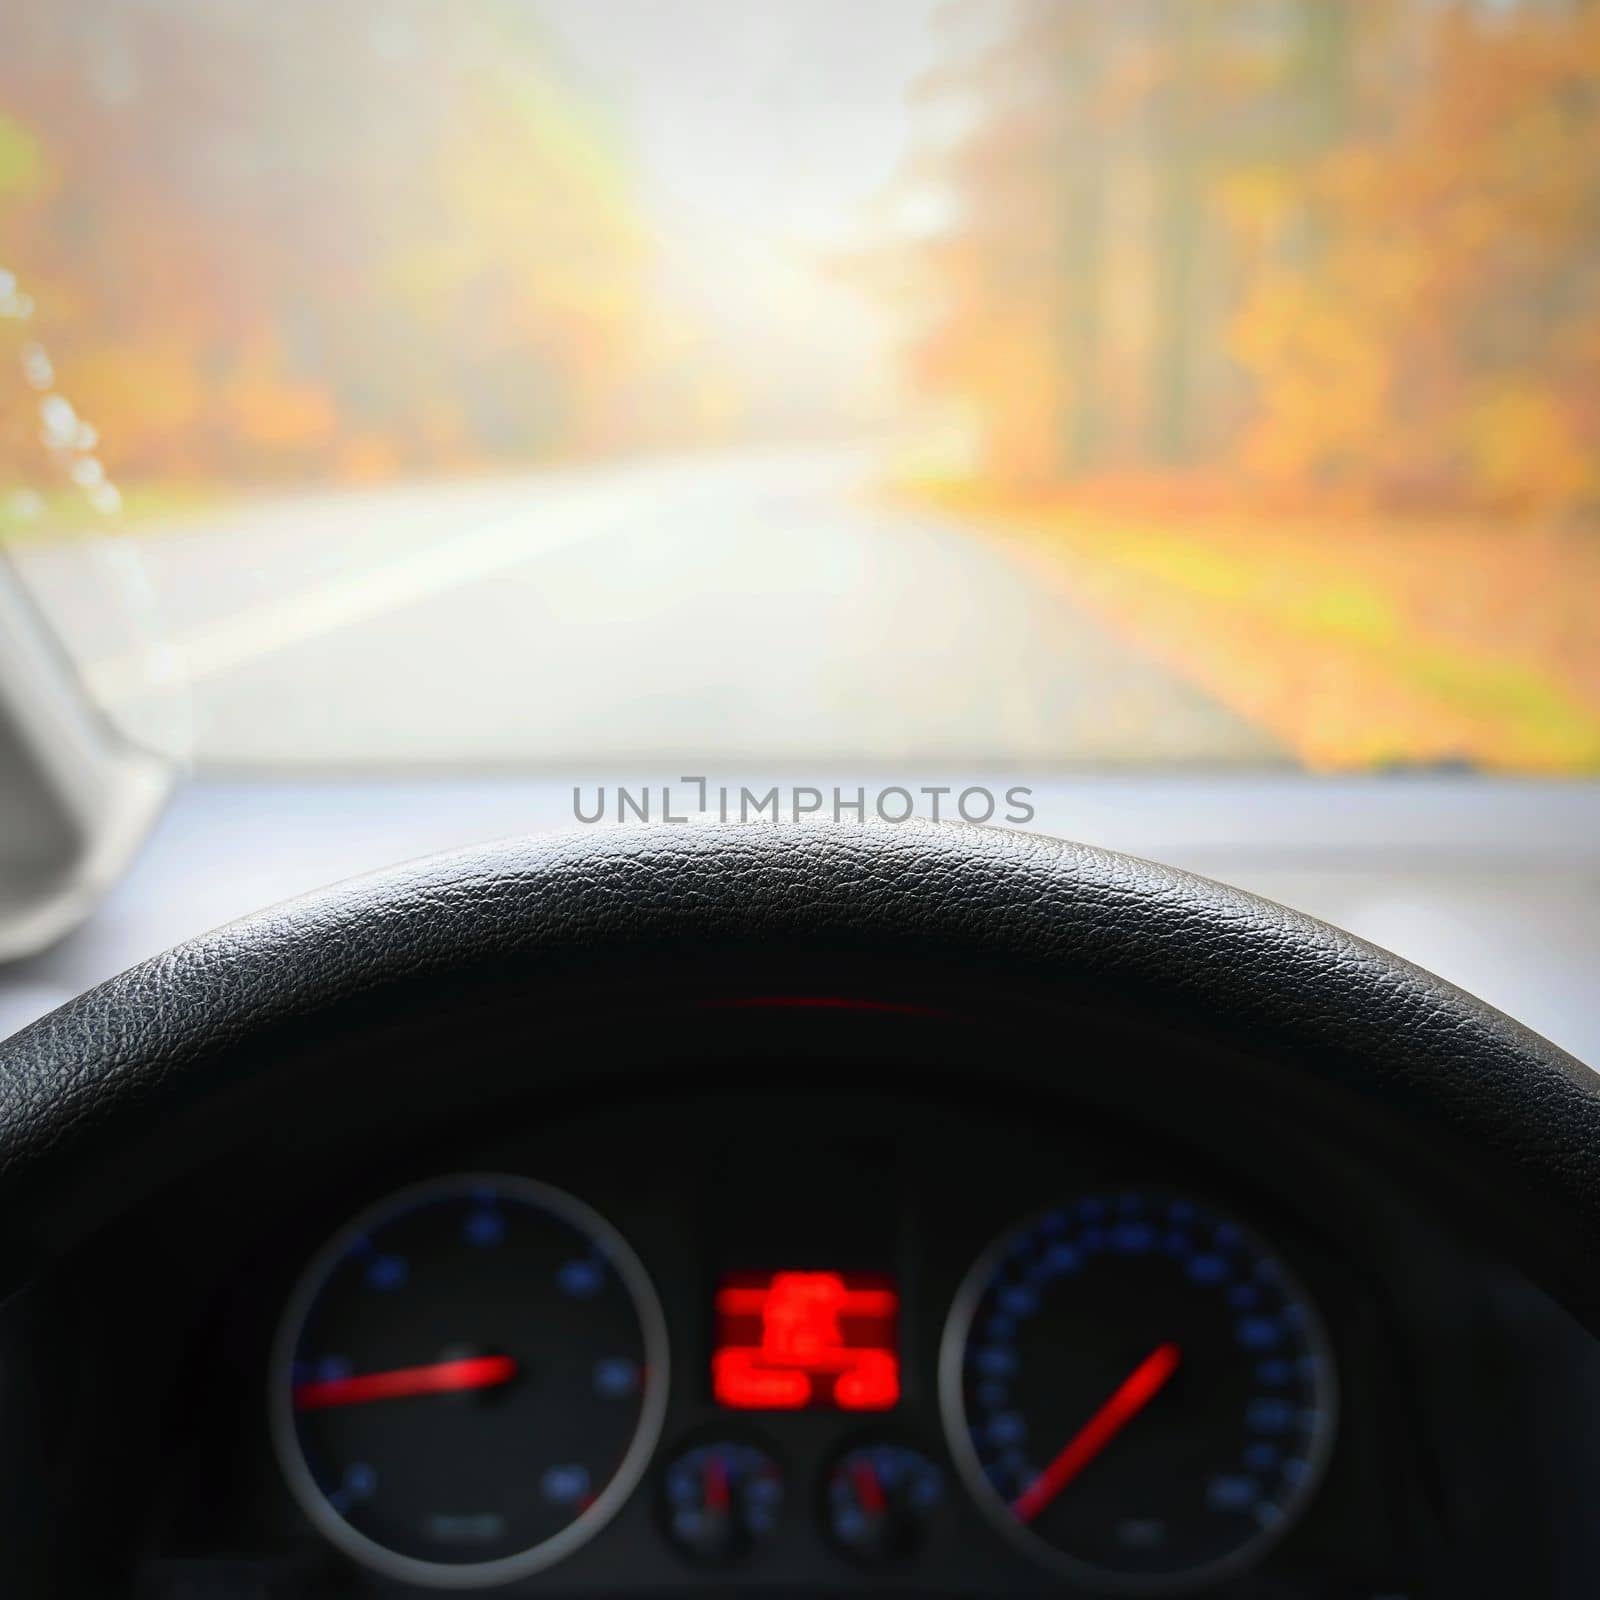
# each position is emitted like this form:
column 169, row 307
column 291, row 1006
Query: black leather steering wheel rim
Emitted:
column 102, row 1072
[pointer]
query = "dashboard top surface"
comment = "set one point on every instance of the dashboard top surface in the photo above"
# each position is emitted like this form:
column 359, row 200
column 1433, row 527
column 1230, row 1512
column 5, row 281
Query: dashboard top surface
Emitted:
column 1491, row 883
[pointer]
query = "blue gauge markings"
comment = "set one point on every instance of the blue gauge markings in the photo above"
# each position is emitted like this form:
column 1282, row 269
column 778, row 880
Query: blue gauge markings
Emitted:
column 1138, row 1390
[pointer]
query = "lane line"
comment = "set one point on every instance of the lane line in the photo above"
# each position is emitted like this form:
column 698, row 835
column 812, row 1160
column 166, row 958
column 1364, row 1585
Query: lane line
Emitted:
column 213, row 648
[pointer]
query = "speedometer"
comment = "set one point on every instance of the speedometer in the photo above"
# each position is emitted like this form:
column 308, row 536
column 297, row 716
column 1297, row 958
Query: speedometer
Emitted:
column 1137, row 1391
column 469, row 1381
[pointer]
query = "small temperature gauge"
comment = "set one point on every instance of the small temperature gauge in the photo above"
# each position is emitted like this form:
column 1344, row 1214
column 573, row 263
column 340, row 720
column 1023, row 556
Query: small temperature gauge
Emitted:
column 879, row 1499
column 722, row 1501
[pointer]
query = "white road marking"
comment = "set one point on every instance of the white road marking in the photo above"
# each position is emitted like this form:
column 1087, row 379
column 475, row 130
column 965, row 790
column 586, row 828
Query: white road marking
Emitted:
column 218, row 647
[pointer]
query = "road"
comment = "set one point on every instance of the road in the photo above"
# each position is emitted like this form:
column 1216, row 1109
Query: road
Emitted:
column 761, row 607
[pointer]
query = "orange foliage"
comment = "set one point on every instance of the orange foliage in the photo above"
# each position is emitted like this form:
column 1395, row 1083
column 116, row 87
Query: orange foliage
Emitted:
column 1444, row 344
column 401, row 244
column 1335, row 254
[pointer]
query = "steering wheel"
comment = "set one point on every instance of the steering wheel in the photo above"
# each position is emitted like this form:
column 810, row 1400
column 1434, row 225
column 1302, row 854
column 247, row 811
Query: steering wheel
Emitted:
column 1016, row 944
column 1047, row 974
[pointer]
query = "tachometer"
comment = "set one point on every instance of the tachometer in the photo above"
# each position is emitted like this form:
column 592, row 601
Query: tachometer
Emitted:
column 1137, row 1391
column 469, row 1381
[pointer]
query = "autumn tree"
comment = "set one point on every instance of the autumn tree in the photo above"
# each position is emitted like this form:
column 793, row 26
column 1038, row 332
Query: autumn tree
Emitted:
column 400, row 240
column 1322, row 249
column 1440, row 344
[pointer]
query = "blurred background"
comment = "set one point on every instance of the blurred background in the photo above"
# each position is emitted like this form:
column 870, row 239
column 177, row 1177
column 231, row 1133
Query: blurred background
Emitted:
column 1267, row 332
column 1169, row 390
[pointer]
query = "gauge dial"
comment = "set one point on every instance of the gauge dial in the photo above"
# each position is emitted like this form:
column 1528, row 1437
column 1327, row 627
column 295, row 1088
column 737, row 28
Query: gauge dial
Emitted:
column 722, row 1500
column 469, row 1381
column 879, row 1500
column 1137, row 1391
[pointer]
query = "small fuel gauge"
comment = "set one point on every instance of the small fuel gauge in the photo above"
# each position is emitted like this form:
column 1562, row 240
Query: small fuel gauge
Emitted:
column 722, row 1500
column 878, row 1501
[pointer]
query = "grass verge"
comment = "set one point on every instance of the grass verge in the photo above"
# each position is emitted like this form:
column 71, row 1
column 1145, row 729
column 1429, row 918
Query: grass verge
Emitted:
column 1359, row 644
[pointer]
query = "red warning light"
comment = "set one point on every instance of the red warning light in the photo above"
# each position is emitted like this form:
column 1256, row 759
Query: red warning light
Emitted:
column 786, row 1341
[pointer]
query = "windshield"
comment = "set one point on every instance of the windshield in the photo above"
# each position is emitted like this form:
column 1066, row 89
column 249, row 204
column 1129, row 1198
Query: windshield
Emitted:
column 1013, row 383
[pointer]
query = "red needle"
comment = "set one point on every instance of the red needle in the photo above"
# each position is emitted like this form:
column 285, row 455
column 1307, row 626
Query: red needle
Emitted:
column 440, row 1377
column 868, row 1488
column 1132, row 1395
column 718, row 1491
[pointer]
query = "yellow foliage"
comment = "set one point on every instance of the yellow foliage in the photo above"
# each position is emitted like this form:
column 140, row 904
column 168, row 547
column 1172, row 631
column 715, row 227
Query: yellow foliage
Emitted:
column 1430, row 350
column 358, row 263
column 1358, row 643
column 1526, row 449
column 1346, row 254
column 21, row 158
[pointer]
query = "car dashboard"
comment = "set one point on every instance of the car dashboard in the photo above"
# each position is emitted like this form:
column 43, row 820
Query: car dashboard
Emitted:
column 814, row 1321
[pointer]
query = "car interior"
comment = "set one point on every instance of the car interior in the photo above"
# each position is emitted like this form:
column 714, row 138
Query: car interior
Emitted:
column 797, row 1209
column 800, row 799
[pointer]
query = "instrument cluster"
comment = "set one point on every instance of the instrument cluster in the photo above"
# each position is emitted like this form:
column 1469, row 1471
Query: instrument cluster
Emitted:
column 886, row 1352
